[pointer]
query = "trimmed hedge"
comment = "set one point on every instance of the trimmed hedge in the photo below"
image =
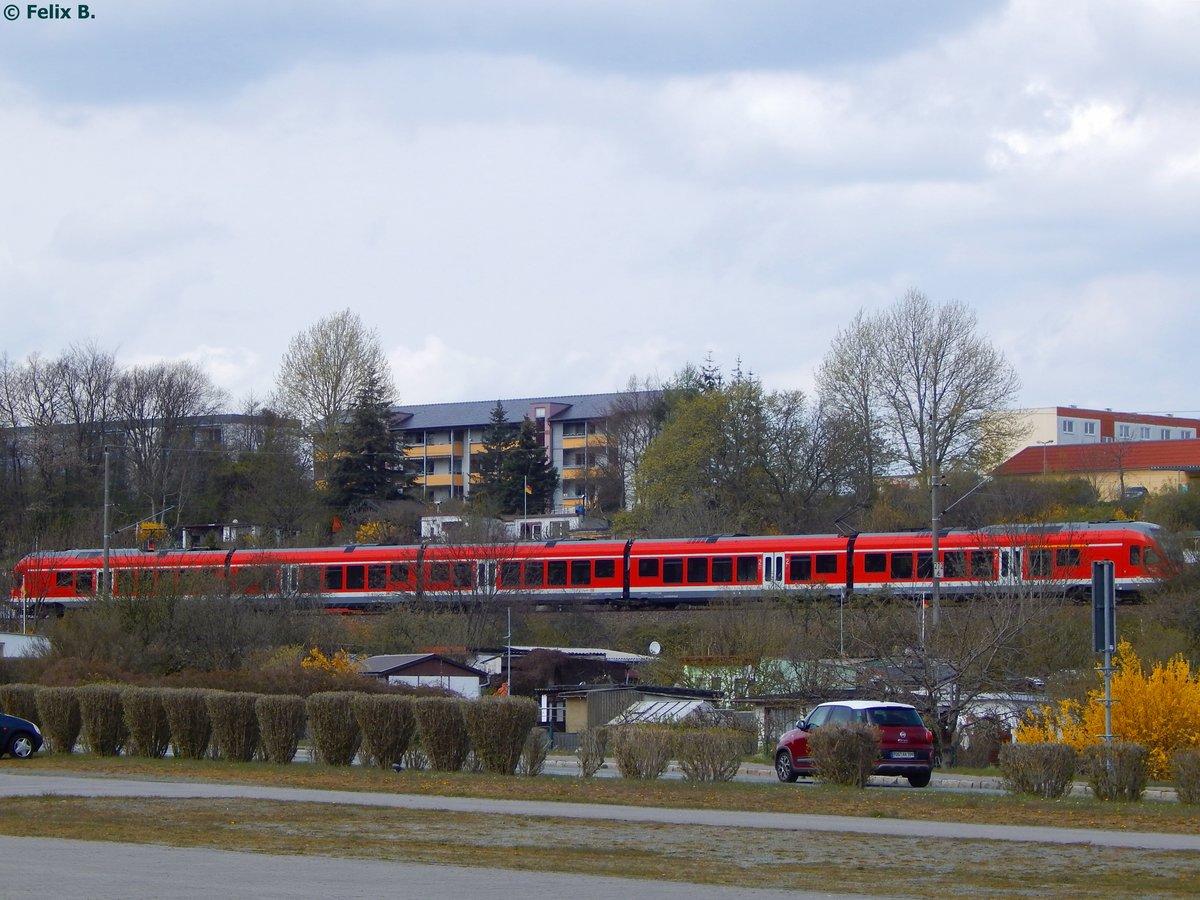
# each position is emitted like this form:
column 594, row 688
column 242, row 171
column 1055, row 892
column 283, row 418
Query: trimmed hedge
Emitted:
column 332, row 727
column 443, row 731
column 498, row 728
column 387, row 722
column 533, row 754
column 281, row 722
column 642, row 751
column 711, row 754
column 593, row 745
column 20, row 700
column 1185, row 765
column 1041, row 769
column 844, row 753
column 102, row 719
column 234, row 724
column 191, row 727
column 146, row 721
column 1116, row 771
column 58, row 716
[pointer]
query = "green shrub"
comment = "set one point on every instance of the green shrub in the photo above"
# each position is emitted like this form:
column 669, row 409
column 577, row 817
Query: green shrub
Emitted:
column 1043, row 769
column 533, row 754
column 191, row 727
column 1117, row 771
column 234, row 724
column 593, row 745
column 146, row 721
column 844, row 753
column 1185, row 765
column 443, row 731
column 58, row 716
column 387, row 723
column 281, row 722
column 415, row 756
column 710, row 754
column 642, row 751
column 19, row 700
column 102, row 718
column 498, row 728
column 332, row 727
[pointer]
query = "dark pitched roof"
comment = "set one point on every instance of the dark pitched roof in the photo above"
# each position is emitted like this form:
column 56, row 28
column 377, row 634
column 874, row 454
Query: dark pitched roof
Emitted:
column 479, row 412
column 398, row 663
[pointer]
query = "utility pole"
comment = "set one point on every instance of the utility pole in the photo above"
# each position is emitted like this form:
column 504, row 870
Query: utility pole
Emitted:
column 935, row 583
column 106, row 577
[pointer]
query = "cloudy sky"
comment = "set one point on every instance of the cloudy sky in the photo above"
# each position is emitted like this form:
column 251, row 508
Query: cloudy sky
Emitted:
column 549, row 196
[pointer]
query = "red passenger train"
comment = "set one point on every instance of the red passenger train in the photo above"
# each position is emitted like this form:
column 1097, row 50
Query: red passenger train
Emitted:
column 651, row 572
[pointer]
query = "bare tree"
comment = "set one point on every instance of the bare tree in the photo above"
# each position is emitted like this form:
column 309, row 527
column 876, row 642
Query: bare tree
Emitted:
column 322, row 372
column 632, row 422
column 156, row 403
column 936, row 393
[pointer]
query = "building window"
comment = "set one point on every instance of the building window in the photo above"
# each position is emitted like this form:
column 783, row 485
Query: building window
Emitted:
column 1145, row 432
column 1089, row 428
column 1186, row 434
column 1124, row 432
column 1068, row 426
column 1164, row 434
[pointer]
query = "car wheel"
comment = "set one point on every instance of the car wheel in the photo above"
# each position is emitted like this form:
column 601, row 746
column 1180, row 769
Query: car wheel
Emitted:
column 783, row 767
column 921, row 779
column 21, row 746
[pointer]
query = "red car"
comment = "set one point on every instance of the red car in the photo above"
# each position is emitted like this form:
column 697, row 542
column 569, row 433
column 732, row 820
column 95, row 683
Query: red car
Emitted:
column 906, row 745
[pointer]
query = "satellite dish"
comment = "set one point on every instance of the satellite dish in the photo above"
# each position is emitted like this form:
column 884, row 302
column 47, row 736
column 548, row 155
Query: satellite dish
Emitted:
column 655, row 648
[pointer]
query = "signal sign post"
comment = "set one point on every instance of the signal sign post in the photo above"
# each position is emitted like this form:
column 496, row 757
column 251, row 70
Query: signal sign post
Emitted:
column 1104, row 630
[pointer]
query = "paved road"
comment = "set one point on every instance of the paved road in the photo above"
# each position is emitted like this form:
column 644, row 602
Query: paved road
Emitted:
column 15, row 784
column 75, row 870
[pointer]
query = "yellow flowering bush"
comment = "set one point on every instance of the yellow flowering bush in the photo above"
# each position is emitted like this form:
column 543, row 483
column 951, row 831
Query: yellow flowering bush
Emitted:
column 1159, row 709
column 339, row 662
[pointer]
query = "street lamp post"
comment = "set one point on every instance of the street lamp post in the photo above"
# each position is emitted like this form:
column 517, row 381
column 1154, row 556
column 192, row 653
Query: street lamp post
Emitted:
column 1045, row 444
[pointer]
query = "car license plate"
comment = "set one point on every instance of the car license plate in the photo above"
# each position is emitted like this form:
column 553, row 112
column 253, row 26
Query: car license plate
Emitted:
column 903, row 754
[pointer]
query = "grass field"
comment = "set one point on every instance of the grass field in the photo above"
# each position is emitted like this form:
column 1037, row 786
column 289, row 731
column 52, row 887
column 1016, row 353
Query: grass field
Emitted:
column 702, row 855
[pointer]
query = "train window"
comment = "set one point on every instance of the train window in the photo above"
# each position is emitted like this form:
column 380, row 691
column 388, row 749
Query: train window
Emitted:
column 954, row 563
column 1066, row 557
column 333, row 578
column 800, row 568
column 1135, row 555
column 1039, row 563
column 462, row 575
column 376, row 577
column 510, row 575
column 825, row 564
column 356, row 578
column 400, row 572
column 84, row 582
column 1151, row 556
column 673, row 570
column 722, row 569
column 605, row 568
column 556, row 572
column 533, row 574
column 63, row 579
column 581, row 571
column 747, row 569
column 983, row 565
column 924, row 565
column 697, row 570
column 875, row 562
column 902, row 566
column 648, row 568
column 439, row 573
column 310, row 579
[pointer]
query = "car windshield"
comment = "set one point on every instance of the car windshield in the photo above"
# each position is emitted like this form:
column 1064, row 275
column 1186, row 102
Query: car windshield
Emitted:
column 894, row 716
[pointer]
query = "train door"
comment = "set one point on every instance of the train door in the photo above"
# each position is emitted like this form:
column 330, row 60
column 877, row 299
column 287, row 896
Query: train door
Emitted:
column 1010, row 565
column 772, row 570
column 289, row 580
column 485, row 577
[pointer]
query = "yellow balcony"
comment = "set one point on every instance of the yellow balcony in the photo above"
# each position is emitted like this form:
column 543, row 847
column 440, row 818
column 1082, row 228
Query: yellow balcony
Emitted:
column 576, row 442
column 574, row 473
column 440, row 480
column 433, row 451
